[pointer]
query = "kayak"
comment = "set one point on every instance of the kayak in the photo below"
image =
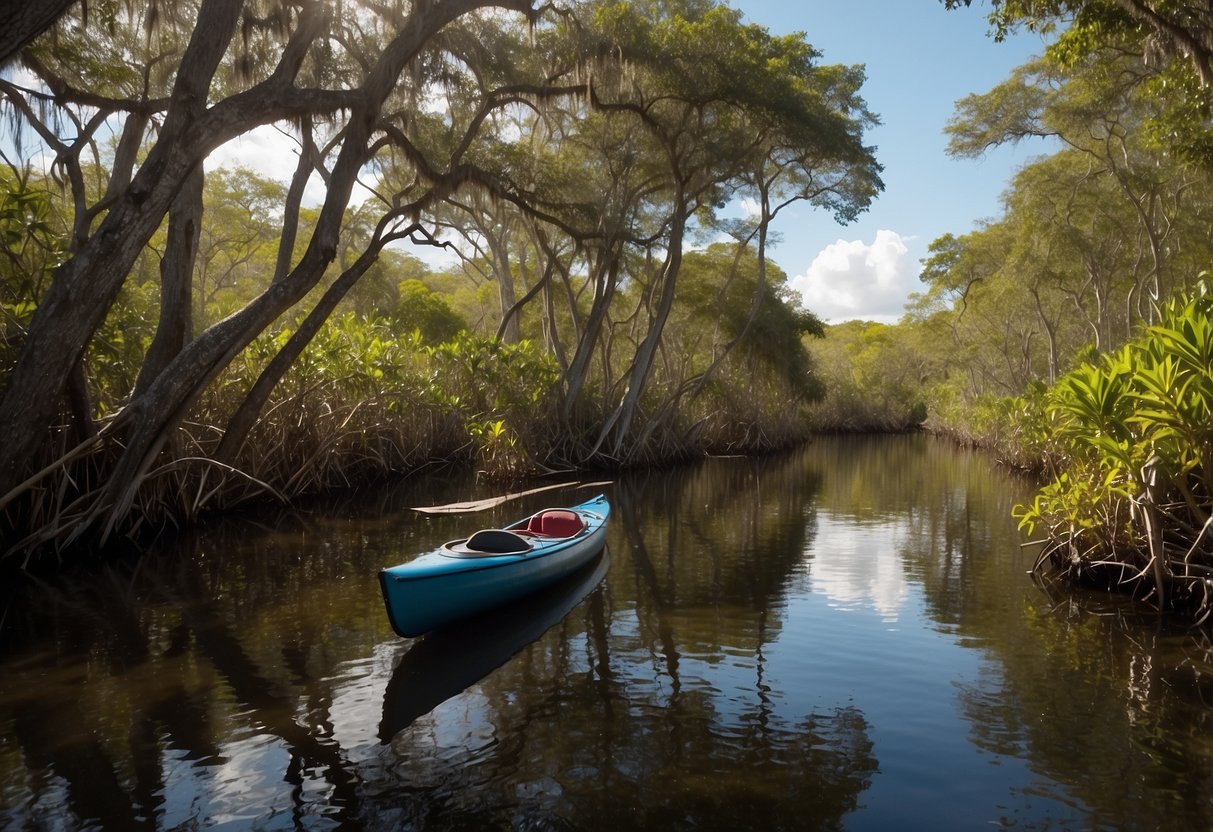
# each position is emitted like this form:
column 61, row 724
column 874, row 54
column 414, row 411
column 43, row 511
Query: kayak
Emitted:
column 447, row 662
column 492, row 567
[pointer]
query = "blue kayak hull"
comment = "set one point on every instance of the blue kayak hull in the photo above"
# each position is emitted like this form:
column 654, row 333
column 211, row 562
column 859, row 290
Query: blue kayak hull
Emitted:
column 441, row 587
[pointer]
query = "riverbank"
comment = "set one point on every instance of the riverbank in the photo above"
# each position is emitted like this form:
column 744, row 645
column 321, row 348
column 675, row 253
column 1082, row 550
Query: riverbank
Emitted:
column 1123, row 445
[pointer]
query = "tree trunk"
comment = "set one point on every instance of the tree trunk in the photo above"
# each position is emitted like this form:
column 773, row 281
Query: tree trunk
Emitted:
column 309, row 156
column 176, row 325
column 620, row 422
column 23, row 20
column 604, row 290
column 86, row 285
column 510, row 331
column 80, row 403
column 551, row 325
column 515, row 310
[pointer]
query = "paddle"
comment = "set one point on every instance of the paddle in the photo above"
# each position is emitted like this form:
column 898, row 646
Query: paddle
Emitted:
column 483, row 505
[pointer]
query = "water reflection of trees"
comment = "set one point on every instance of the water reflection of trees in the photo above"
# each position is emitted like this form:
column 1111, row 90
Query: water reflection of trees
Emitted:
column 243, row 675
column 1108, row 708
column 116, row 681
column 639, row 765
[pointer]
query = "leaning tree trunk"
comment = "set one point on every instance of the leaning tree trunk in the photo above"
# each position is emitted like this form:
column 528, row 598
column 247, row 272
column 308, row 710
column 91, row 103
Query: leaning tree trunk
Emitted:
column 166, row 401
column 620, row 422
column 176, row 285
column 605, row 283
column 515, row 310
column 309, row 159
column 23, row 20
column 551, row 324
column 85, row 286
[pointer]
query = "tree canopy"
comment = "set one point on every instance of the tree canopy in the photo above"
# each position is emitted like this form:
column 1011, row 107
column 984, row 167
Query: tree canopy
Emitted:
column 1172, row 41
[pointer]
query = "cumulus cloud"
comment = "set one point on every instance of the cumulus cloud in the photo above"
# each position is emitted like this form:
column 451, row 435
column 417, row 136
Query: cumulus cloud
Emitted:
column 853, row 279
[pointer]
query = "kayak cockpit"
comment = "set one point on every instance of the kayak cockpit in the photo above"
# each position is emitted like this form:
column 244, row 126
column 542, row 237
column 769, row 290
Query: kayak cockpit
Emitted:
column 488, row 543
column 544, row 527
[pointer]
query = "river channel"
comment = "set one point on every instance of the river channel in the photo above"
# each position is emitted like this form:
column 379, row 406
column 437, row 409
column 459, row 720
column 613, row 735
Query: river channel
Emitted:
column 844, row 637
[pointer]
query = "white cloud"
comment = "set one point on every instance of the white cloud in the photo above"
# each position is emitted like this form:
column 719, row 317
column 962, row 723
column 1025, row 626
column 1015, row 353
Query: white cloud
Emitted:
column 854, row 279
column 857, row 565
column 265, row 151
column 269, row 152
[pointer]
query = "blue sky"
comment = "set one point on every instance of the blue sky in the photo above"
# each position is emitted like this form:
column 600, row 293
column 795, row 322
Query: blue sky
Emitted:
column 920, row 60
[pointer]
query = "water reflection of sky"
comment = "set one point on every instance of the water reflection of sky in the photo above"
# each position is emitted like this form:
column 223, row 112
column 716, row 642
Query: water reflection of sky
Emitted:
column 836, row 645
column 858, row 565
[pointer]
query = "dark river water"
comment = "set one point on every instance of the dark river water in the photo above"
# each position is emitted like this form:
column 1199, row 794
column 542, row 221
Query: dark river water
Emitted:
column 841, row 638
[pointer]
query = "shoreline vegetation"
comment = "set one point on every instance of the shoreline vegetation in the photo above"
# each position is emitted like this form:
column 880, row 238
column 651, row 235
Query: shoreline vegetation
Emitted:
column 1123, row 445
column 179, row 338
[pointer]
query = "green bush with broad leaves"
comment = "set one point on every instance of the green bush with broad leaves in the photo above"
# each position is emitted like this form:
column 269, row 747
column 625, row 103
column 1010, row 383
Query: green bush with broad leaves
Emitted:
column 1019, row 430
column 1139, row 416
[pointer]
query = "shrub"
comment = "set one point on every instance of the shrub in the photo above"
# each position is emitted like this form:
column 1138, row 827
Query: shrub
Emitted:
column 1131, row 438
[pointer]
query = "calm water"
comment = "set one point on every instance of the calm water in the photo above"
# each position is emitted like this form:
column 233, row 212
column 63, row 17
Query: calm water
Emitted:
column 845, row 637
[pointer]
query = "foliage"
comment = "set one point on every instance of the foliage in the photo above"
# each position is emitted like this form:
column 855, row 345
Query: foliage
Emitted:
column 363, row 401
column 239, row 240
column 487, row 378
column 1091, row 237
column 1171, row 41
column 738, row 348
column 32, row 244
column 426, row 313
column 873, row 376
column 1020, row 431
column 1146, row 408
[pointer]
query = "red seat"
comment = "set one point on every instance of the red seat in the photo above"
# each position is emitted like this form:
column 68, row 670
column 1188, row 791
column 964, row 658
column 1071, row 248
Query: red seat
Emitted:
column 555, row 522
